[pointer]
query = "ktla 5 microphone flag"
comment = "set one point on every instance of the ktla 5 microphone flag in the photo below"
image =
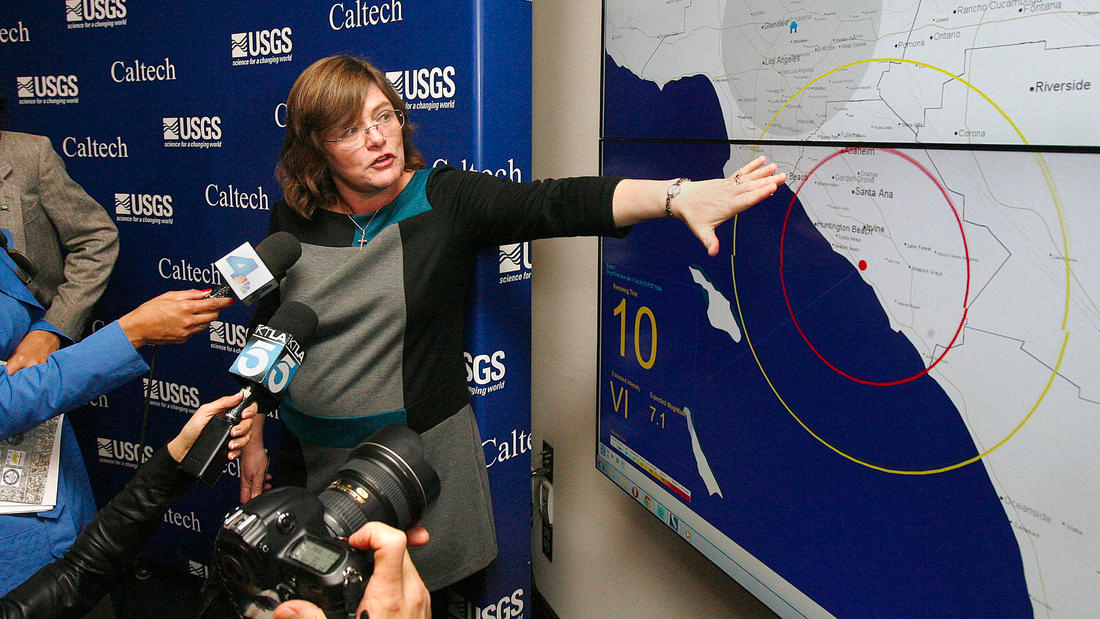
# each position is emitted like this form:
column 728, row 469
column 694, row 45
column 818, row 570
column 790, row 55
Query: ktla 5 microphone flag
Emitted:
column 174, row 125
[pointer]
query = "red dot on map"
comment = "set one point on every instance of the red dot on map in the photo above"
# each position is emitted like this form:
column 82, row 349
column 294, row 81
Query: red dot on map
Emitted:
column 862, row 265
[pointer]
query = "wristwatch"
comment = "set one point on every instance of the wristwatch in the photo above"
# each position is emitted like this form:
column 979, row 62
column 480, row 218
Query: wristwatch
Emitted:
column 673, row 191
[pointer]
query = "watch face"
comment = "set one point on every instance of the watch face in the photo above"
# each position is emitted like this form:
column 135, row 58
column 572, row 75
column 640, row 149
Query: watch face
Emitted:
column 674, row 190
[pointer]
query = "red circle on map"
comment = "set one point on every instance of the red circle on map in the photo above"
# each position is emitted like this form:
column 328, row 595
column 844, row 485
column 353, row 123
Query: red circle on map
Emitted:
column 862, row 265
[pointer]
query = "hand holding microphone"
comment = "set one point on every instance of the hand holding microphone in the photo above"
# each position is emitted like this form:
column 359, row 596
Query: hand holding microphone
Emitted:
column 264, row 368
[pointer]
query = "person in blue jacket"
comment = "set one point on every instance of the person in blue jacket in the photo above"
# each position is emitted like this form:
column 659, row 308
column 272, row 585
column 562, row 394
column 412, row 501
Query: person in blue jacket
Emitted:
column 68, row 378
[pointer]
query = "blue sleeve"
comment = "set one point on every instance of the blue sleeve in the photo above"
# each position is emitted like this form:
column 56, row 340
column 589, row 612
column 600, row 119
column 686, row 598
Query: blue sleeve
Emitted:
column 70, row 377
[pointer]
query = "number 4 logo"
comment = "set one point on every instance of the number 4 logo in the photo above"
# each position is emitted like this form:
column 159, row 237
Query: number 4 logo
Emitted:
column 241, row 265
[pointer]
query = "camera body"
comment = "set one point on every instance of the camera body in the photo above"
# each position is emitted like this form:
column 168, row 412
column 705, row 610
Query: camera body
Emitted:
column 289, row 543
column 278, row 545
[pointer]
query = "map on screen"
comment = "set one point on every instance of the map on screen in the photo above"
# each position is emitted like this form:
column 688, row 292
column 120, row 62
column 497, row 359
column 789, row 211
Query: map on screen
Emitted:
column 881, row 397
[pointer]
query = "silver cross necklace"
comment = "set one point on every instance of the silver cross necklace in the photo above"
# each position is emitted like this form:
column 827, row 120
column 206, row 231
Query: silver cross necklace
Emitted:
column 363, row 229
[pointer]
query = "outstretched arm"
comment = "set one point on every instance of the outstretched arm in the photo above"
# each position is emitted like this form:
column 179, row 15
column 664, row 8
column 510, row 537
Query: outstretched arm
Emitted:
column 702, row 205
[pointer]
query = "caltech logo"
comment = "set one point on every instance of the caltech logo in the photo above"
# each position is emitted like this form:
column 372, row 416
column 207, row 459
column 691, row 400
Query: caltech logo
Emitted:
column 484, row 373
column 507, row 607
column 89, row 147
column 192, row 131
column 184, row 271
column 363, row 14
column 186, row 521
column 122, row 453
column 425, row 89
column 143, row 208
column 47, row 89
column 261, row 47
column 15, row 34
column 95, row 13
column 280, row 115
column 174, row 396
column 515, row 262
column 100, row 402
column 232, row 197
column 137, row 71
column 227, row 336
column 517, row 444
column 510, row 172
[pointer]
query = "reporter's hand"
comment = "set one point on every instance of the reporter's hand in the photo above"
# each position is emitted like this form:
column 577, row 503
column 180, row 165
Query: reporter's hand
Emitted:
column 394, row 591
column 183, row 441
column 171, row 318
column 33, row 349
column 254, row 476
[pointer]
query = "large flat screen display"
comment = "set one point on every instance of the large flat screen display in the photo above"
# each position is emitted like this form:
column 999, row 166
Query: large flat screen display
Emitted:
column 882, row 397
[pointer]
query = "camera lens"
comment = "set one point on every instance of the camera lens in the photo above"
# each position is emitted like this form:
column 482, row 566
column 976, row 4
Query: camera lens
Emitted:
column 386, row 479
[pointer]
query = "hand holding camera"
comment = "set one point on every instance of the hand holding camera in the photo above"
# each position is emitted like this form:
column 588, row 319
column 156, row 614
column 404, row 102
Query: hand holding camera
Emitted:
column 395, row 590
column 291, row 544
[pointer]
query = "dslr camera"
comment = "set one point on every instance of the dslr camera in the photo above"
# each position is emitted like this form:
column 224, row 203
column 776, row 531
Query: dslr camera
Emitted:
column 289, row 543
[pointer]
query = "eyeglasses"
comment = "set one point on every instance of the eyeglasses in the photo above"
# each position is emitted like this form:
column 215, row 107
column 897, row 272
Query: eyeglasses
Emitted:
column 387, row 124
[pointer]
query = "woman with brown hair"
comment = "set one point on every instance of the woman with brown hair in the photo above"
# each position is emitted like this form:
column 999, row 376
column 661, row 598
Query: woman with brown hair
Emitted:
column 388, row 252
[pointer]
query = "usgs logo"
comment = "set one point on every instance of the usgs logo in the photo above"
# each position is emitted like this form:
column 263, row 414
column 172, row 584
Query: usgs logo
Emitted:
column 430, row 83
column 136, row 206
column 171, row 395
column 79, row 12
column 227, row 336
column 484, row 369
column 47, row 86
column 178, row 128
column 123, row 453
column 259, row 43
column 507, row 607
column 514, row 257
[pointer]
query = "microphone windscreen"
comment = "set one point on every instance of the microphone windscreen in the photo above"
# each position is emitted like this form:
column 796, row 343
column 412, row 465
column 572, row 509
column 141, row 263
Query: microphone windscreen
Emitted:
column 294, row 318
column 279, row 252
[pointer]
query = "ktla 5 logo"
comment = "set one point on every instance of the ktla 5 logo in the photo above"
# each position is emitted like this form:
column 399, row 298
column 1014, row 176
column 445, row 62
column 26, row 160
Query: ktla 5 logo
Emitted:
column 143, row 204
column 484, row 369
column 192, row 128
column 515, row 257
column 261, row 43
column 123, row 450
column 228, row 333
column 47, row 86
column 91, row 10
column 434, row 83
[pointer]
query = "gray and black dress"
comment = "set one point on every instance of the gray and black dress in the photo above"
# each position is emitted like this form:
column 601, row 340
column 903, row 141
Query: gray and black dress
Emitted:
column 391, row 302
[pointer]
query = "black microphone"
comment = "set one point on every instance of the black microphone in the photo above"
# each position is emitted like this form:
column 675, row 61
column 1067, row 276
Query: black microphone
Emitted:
column 27, row 269
column 267, row 363
column 252, row 273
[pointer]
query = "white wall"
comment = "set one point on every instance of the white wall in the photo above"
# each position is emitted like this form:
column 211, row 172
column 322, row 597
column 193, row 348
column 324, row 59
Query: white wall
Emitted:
column 611, row 557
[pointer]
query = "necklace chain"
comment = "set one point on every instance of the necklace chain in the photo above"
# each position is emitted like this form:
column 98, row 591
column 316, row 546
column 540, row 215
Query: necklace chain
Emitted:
column 362, row 229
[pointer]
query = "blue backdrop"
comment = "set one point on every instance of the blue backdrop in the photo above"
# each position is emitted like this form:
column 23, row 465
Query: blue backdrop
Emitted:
column 171, row 115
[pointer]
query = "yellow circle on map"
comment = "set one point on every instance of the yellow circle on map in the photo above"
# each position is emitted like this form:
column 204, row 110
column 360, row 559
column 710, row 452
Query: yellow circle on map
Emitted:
column 1065, row 315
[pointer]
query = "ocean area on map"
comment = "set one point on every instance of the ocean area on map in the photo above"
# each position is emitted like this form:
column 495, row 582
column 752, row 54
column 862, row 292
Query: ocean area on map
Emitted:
column 850, row 527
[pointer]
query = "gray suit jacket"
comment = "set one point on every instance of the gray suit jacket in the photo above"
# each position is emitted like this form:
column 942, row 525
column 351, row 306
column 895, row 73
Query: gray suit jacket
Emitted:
column 40, row 205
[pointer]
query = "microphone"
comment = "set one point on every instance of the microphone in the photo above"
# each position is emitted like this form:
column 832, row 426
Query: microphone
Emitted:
column 267, row 363
column 252, row 273
column 26, row 269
